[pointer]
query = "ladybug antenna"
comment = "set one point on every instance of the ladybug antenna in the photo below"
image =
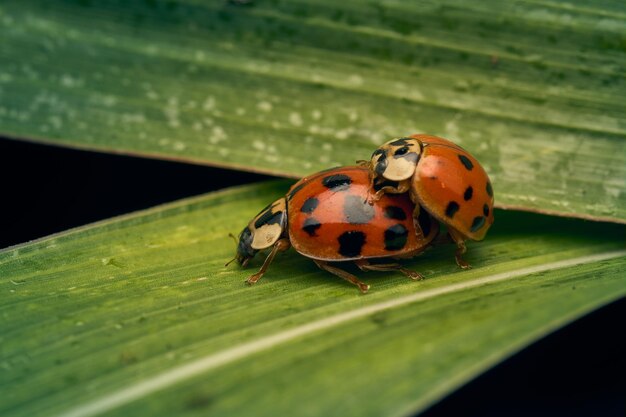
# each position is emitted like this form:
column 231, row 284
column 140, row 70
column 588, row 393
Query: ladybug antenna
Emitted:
column 236, row 243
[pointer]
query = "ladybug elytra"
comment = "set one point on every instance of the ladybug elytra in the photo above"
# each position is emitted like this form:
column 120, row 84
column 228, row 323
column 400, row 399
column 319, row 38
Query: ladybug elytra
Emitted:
column 441, row 178
column 327, row 217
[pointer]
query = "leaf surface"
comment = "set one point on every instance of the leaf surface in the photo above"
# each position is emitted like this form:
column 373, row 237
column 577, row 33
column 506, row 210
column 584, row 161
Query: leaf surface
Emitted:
column 137, row 315
column 535, row 90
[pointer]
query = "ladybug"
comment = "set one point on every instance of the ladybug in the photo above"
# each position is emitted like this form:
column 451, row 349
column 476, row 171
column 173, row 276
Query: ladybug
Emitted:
column 327, row 217
column 441, row 178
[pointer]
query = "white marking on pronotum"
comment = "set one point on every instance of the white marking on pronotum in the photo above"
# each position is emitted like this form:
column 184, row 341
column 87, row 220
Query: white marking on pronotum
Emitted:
column 204, row 364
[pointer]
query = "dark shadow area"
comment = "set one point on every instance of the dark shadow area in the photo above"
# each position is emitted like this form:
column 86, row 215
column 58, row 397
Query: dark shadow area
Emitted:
column 577, row 371
column 47, row 189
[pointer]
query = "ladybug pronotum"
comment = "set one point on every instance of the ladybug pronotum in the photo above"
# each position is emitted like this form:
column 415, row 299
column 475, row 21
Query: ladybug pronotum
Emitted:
column 441, row 178
column 327, row 217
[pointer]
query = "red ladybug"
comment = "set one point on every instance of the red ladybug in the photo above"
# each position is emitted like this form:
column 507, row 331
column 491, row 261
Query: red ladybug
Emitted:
column 442, row 178
column 326, row 217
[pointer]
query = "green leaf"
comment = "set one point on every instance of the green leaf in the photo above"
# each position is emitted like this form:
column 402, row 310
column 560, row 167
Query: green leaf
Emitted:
column 138, row 316
column 534, row 89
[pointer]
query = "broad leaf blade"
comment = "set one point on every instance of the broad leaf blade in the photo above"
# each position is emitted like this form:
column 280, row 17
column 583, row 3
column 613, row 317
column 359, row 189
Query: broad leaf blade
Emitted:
column 535, row 90
column 114, row 309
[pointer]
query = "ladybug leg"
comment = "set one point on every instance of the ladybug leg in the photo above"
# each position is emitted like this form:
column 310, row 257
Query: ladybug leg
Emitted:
column 416, row 224
column 280, row 246
column 342, row 274
column 396, row 188
column 364, row 265
column 460, row 248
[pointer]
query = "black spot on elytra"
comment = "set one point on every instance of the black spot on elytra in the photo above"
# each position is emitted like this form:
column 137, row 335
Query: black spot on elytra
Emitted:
column 423, row 219
column 466, row 162
column 337, row 182
column 351, row 243
column 309, row 205
column 386, row 183
column 311, row 225
column 489, row 189
column 469, row 192
column 395, row 237
column 269, row 218
column 295, row 190
column 477, row 223
column 452, row 208
column 486, row 210
column 357, row 210
column 394, row 212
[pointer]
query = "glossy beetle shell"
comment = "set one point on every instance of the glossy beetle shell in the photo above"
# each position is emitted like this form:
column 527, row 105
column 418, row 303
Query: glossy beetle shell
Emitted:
column 329, row 219
column 443, row 178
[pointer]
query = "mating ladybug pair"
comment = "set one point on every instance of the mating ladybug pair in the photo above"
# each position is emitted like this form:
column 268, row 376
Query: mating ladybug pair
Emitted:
column 388, row 207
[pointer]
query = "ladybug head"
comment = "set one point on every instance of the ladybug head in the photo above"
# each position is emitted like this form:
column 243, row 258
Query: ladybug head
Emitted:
column 396, row 159
column 245, row 252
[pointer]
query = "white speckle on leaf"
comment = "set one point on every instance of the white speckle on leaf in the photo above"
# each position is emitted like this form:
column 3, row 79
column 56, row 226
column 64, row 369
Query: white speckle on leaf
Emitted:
column 376, row 138
column 316, row 114
column 136, row 118
column 264, row 106
column 295, row 119
column 343, row 134
column 179, row 146
column 172, row 112
column 327, row 147
column 218, row 135
column 416, row 94
column 355, row 79
column 314, row 129
column 56, row 122
column 240, row 111
column 105, row 100
column 209, row 104
column 258, row 145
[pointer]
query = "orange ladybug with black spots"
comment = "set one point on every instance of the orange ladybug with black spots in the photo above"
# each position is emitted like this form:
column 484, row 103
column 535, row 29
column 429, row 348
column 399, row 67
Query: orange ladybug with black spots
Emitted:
column 327, row 217
column 441, row 178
